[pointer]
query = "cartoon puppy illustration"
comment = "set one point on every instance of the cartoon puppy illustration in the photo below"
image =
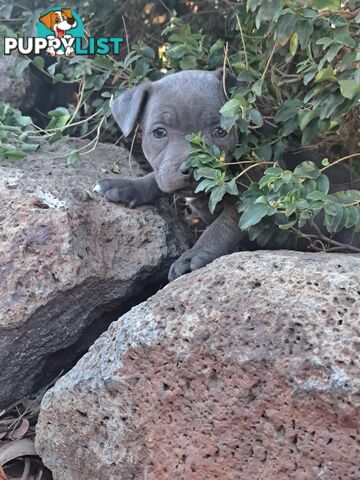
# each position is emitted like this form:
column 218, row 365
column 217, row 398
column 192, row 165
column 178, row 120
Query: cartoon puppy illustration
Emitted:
column 59, row 22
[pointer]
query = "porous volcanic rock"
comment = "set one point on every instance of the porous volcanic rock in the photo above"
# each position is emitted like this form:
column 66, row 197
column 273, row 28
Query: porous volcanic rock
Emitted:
column 245, row 369
column 68, row 258
column 15, row 90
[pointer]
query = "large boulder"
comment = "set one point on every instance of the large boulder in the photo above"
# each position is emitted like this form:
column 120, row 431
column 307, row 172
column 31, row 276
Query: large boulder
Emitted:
column 245, row 369
column 15, row 89
column 71, row 262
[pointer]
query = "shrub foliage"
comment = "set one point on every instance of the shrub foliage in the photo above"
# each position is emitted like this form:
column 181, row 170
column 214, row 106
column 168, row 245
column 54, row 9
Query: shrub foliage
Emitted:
column 297, row 70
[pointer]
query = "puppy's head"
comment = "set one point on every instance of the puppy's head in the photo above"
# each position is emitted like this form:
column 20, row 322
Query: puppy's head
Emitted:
column 168, row 110
column 59, row 21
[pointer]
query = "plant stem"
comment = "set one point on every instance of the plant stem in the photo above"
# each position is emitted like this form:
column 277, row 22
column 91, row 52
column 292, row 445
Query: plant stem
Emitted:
column 340, row 160
column 243, row 42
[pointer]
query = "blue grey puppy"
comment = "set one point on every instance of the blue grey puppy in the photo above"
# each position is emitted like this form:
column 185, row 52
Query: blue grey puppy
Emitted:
column 168, row 110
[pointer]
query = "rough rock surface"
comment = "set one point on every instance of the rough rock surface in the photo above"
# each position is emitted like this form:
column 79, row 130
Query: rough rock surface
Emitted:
column 246, row 369
column 67, row 256
column 15, row 90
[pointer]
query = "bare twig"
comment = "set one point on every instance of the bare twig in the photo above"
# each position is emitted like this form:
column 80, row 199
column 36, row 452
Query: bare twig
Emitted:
column 321, row 236
column 268, row 61
column 340, row 160
column 255, row 164
column 26, row 471
column 224, row 70
column 126, row 34
column 243, row 42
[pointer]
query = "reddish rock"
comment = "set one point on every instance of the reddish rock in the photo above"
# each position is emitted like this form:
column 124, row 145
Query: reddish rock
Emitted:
column 245, row 369
column 68, row 257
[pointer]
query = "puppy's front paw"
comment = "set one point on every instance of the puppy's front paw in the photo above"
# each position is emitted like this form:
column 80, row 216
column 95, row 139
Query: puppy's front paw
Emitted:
column 189, row 261
column 119, row 190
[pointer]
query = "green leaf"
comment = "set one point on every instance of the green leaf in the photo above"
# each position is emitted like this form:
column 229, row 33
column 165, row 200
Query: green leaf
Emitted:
column 188, row 62
column 205, row 185
column 30, row 147
column 345, row 39
column 353, row 217
column 39, row 62
column 147, row 51
column 230, row 108
column 23, row 120
column 310, row 74
column 330, row 209
column 216, row 196
column 328, row 4
column 328, row 107
column 268, row 9
column 58, row 77
column 301, row 204
column 279, row 149
column 12, row 154
column 5, row 11
column 317, row 196
column 257, row 230
column 325, row 162
column 305, row 117
column 286, row 25
column 349, row 88
column 55, row 137
column 257, row 87
column 265, row 152
column 332, row 222
column 323, row 183
column 286, row 226
column 274, row 171
column 294, row 43
column 304, row 28
column 304, row 216
column 256, row 117
column 73, row 158
column 288, row 110
column 231, row 187
column 205, row 172
column 103, row 62
column 307, row 170
column 252, row 215
column 325, row 74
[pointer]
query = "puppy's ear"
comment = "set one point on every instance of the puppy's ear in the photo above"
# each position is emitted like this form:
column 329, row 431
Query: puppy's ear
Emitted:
column 67, row 12
column 48, row 20
column 128, row 107
column 230, row 80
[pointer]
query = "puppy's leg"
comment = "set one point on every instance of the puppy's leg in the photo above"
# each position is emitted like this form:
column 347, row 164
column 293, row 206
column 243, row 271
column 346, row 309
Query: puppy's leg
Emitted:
column 130, row 191
column 222, row 237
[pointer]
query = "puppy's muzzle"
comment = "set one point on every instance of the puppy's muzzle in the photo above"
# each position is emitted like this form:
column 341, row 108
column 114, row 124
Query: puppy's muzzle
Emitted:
column 71, row 21
column 185, row 170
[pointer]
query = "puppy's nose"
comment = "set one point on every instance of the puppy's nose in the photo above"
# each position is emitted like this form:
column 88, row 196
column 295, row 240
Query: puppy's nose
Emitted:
column 185, row 170
column 71, row 21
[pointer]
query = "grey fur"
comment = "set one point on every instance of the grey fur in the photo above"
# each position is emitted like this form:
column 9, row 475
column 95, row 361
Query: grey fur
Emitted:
column 183, row 103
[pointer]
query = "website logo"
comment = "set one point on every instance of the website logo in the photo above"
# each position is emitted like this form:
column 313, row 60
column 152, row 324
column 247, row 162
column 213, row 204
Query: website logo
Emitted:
column 60, row 27
column 60, row 32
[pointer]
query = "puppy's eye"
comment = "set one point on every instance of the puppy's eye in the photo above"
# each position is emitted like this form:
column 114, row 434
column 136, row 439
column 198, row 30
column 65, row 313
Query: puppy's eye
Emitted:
column 159, row 132
column 219, row 132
